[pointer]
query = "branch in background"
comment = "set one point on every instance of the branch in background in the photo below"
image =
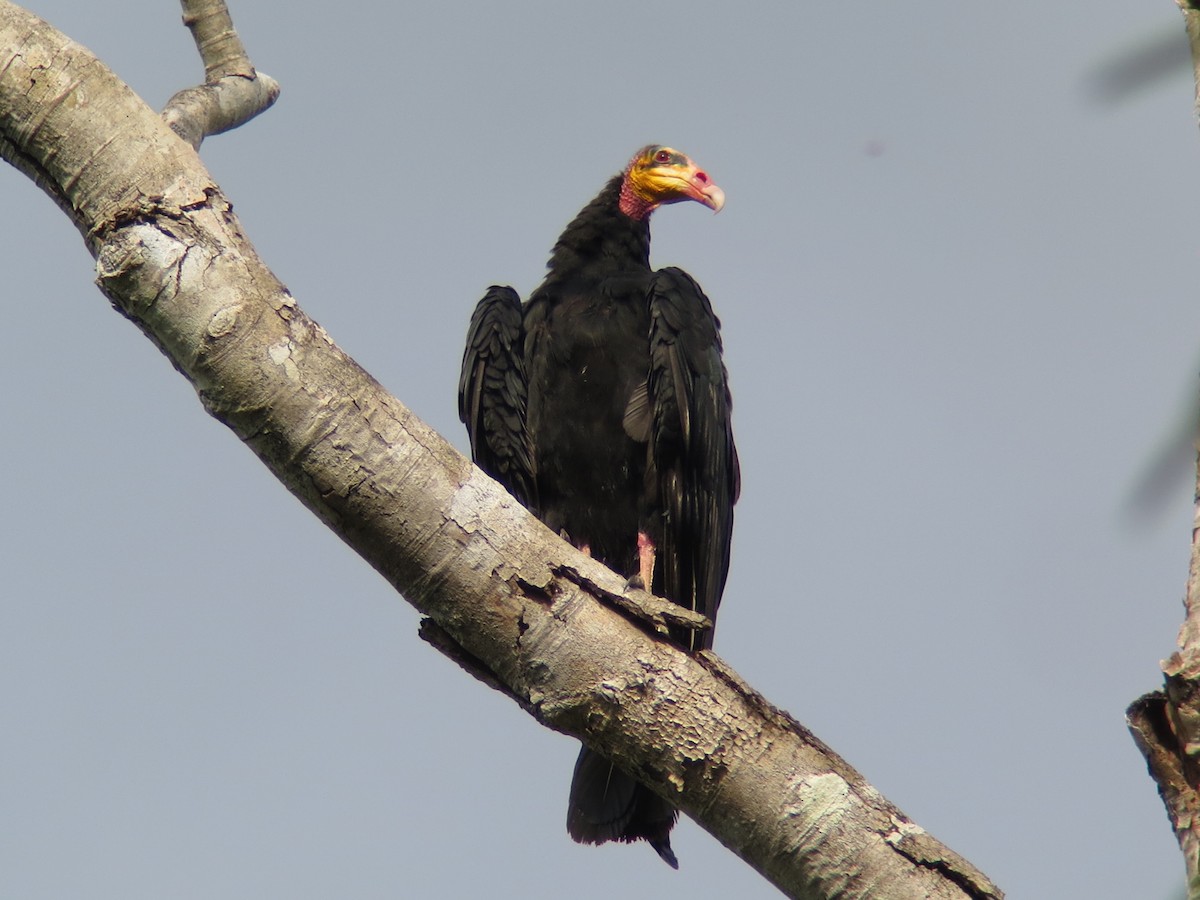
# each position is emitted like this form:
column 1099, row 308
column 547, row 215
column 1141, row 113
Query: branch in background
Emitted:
column 1166, row 724
column 232, row 93
column 1141, row 63
column 510, row 601
column 1191, row 23
column 1149, row 720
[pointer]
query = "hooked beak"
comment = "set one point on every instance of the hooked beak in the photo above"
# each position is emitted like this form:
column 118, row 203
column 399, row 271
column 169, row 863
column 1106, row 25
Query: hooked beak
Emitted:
column 702, row 189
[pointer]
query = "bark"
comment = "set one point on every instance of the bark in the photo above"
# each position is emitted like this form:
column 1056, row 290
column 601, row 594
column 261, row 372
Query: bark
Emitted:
column 515, row 605
column 232, row 93
column 1166, row 724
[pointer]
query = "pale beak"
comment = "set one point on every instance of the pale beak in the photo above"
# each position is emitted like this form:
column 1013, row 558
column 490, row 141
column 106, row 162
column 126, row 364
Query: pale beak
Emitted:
column 702, row 190
column 713, row 197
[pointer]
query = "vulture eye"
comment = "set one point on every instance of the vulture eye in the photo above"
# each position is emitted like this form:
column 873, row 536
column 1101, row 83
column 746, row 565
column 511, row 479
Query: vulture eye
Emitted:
column 662, row 156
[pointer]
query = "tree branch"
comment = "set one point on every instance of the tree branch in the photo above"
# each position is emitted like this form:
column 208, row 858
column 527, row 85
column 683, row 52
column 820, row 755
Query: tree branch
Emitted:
column 1191, row 23
column 1166, row 724
column 508, row 599
column 232, row 93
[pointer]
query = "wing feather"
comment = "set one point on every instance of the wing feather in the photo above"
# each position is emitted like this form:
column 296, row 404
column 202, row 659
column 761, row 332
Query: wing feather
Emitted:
column 493, row 393
column 693, row 460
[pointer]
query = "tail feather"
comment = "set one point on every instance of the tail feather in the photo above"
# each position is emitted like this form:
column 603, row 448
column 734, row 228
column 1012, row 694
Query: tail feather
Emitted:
column 606, row 804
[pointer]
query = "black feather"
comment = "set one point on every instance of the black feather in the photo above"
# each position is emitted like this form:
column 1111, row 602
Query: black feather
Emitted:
column 492, row 394
column 603, row 405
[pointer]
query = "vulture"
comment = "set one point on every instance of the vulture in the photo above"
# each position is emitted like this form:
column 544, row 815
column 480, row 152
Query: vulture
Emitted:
column 602, row 404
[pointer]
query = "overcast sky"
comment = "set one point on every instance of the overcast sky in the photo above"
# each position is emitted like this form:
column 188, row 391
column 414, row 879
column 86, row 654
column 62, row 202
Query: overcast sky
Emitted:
column 959, row 296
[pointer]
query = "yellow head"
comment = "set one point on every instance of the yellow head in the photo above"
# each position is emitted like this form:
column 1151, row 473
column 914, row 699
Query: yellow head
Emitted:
column 658, row 175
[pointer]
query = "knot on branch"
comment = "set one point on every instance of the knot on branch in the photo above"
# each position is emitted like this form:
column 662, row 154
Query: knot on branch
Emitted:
column 196, row 112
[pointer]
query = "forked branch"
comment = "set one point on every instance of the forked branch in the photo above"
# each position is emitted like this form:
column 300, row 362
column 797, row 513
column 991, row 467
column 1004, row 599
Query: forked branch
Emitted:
column 233, row 91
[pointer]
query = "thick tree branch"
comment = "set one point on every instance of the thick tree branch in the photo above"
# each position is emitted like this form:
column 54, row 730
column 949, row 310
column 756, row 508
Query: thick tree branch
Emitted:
column 232, row 93
column 509, row 599
column 1166, row 724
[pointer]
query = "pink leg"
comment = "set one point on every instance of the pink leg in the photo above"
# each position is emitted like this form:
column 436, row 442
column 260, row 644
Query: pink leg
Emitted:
column 646, row 560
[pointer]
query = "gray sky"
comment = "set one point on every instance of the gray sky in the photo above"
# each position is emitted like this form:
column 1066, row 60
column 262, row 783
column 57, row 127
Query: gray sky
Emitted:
column 959, row 306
